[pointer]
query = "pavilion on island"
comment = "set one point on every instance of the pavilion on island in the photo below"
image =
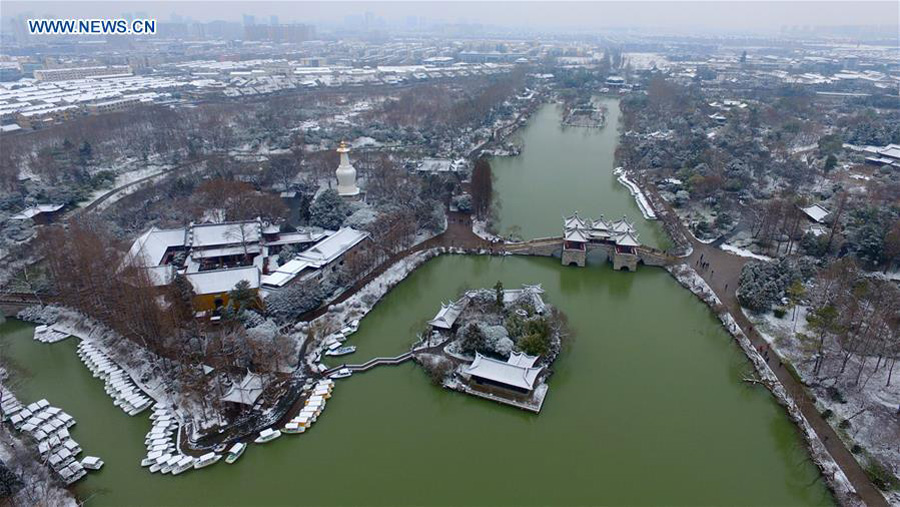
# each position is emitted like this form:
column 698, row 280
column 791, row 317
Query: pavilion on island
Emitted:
column 517, row 373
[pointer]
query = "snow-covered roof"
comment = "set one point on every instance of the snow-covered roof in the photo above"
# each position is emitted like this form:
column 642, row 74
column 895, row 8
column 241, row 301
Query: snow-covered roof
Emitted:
column 436, row 165
column 627, row 239
column 302, row 236
column 285, row 273
column 247, row 391
column 149, row 248
column 37, row 210
column 576, row 235
column 816, row 212
column 226, row 251
column 574, row 221
column 622, row 225
column 448, row 314
column 522, row 359
column 228, row 233
column 332, row 247
column 223, row 280
column 601, row 224
column 521, row 377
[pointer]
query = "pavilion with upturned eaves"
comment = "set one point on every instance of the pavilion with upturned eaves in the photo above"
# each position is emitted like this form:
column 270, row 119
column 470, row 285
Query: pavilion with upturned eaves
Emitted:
column 617, row 239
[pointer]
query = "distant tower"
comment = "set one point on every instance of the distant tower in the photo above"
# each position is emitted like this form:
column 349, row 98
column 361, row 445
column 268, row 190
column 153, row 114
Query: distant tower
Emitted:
column 346, row 174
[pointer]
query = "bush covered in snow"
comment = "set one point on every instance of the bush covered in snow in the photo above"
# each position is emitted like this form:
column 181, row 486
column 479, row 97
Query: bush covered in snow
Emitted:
column 39, row 315
column 362, row 218
column 295, row 300
column 763, row 284
column 486, row 339
column 463, row 203
column 438, row 368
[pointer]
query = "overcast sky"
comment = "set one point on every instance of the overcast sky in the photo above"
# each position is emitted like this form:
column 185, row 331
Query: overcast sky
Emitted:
column 720, row 15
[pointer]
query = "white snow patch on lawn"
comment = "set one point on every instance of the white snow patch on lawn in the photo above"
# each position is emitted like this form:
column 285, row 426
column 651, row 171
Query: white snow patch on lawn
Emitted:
column 635, row 190
column 743, row 252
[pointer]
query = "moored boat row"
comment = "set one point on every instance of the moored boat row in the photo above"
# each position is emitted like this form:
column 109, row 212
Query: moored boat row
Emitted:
column 49, row 334
column 313, row 406
column 47, row 426
column 119, row 384
column 162, row 448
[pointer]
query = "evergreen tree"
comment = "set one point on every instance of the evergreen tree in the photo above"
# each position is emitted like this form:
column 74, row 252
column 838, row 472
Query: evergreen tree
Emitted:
column 328, row 210
column 241, row 296
column 86, row 152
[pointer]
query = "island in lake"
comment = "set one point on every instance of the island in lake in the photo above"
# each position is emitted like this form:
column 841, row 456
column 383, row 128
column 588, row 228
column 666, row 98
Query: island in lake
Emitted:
column 497, row 344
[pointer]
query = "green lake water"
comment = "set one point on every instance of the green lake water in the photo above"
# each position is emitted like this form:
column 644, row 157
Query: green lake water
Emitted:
column 563, row 170
column 646, row 407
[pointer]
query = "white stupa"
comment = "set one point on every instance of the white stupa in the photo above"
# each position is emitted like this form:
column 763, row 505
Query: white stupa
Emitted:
column 346, row 174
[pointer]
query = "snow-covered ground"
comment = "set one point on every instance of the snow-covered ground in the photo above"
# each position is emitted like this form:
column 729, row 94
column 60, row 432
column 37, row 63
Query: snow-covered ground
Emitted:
column 125, row 178
column 872, row 404
column 743, row 252
column 635, row 190
column 479, row 227
column 831, row 472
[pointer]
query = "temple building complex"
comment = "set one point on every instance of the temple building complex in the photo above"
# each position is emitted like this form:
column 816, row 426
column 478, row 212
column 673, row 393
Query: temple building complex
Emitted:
column 214, row 257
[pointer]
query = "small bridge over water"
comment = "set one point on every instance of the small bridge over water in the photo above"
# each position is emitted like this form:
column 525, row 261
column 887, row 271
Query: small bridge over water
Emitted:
column 13, row 302
column 617, row 241
column 371, row 363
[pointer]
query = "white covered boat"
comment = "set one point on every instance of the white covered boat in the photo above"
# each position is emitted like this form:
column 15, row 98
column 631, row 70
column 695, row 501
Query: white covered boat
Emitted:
column 151, row 458
column 235, row 452
column 293, row 428
column 184, row 463
column 267, row 435
column 207, row 459
column 341, row 351
column 92, row 462
column 170, row 464
column 161, row 461
column 342, row 373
